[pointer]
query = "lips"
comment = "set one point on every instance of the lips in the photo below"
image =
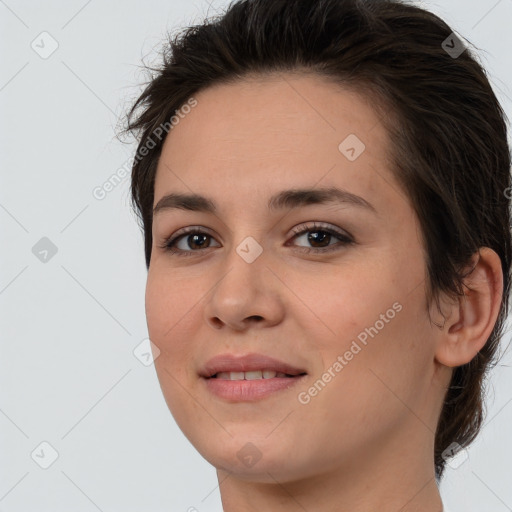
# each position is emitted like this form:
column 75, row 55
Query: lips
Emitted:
column 249, row 378
column 229, row 363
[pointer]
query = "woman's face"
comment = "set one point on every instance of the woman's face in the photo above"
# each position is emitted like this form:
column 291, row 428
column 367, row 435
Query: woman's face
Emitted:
column 349, row 316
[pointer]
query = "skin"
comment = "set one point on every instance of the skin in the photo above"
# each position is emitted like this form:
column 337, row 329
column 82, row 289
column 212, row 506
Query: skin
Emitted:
column 365, row 442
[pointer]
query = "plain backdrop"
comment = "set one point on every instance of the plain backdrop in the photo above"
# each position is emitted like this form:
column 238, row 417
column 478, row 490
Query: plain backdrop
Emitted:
column 83, row 423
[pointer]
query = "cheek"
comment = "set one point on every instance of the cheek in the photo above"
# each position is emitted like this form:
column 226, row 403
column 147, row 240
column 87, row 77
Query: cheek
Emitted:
column 347, row 303
column 172, row 310
column 168, row 302
column 372, row 333
column 381, row 366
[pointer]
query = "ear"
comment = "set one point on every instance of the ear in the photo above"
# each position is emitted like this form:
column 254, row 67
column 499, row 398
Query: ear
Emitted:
column 471, row 320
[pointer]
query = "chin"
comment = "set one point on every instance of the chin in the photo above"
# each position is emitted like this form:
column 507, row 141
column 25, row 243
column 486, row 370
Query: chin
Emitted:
column 252, row 459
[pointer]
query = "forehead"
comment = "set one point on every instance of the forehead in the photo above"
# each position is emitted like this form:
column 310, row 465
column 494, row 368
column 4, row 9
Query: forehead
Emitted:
column 280, row 128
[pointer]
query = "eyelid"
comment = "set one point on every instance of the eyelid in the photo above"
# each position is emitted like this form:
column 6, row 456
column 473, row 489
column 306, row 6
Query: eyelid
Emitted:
column 320, row 226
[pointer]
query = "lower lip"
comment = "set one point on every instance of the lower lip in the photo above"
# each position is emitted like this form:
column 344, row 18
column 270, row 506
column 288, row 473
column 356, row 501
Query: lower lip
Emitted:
column 249, row 390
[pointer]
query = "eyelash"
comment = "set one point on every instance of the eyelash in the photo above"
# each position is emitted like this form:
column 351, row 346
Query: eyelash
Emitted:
column 169, row 243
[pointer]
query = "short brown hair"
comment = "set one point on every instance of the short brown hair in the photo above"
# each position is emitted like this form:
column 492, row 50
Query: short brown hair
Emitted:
column 448, row 133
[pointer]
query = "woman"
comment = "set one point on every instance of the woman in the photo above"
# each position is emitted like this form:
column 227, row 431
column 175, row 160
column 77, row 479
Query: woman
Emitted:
column 322, row 187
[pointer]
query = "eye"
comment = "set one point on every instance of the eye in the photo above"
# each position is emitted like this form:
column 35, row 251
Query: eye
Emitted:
column 320, row 237
column 194, row 239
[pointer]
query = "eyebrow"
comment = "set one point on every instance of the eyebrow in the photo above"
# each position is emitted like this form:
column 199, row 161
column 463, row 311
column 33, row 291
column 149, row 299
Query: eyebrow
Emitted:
column 286, row 199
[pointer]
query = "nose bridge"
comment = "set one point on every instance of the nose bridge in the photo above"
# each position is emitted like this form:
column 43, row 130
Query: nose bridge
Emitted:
column 247, row 234
column 245, row 265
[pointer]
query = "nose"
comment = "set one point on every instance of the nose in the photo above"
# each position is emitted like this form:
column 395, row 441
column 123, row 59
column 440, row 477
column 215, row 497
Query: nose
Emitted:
column 246, row 295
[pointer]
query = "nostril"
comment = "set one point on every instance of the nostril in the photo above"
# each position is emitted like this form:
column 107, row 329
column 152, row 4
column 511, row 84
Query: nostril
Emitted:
column 217, row 322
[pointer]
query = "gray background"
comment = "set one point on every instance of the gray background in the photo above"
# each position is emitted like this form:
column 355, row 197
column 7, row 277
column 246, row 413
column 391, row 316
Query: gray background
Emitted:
column 70, row 324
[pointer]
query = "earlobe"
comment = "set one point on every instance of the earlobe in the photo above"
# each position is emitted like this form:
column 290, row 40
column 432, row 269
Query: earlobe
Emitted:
column 471, row 320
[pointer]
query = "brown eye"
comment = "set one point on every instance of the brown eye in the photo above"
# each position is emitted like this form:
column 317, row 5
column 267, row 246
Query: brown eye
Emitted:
column 192, row 241
column 320, row 237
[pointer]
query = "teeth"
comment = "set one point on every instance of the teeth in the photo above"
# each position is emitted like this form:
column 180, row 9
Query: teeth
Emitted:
column 253, row 375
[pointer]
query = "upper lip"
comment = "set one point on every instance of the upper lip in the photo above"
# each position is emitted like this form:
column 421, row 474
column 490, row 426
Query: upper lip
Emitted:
column 246, row 363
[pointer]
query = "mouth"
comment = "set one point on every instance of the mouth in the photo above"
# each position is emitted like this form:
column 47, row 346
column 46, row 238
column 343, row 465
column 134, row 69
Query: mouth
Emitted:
column 249, row 377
